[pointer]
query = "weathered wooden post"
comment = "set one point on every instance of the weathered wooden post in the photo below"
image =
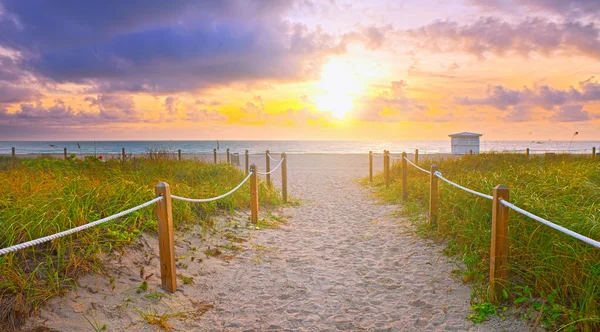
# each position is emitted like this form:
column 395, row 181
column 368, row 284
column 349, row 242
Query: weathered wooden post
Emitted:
column 404, row 178
column 470, row 152
column 166, row 243
column 370, row 166
column 386, row 165
column 593, row 152
column 268, row 167
column 284, row 177
column 247, row 169
column 527, row 152
column 499, row 246
column 123, row 155
column 179, row 154
column 65, row 152
column 416, row 156
column 14, row 152
column 215, row 155
column 433, row 196
column 253, row 194
column 228, row 157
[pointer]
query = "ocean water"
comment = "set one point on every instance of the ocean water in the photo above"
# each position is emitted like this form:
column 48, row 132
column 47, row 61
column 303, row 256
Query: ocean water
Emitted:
column 295, row 147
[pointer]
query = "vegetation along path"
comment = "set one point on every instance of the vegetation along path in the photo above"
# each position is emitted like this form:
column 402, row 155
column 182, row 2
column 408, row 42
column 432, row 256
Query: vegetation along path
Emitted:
column 339, row 261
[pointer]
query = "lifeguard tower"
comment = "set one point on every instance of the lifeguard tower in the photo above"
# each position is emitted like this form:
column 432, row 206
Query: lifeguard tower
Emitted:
column 464, row 143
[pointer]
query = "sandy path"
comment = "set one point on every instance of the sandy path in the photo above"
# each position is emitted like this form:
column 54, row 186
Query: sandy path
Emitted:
column 341, row 262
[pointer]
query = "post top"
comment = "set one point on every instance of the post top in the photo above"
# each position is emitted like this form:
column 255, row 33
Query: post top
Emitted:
column 500, row 187
column 162, row 185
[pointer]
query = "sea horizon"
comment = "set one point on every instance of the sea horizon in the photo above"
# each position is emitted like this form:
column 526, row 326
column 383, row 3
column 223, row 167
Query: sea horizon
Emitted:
column 288, row 146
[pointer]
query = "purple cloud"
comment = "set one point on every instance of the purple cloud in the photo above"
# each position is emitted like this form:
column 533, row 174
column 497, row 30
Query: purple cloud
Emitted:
column 568, row 8
column 156, row 47
column 544, row 96
column 491, row 35
column 572, row 113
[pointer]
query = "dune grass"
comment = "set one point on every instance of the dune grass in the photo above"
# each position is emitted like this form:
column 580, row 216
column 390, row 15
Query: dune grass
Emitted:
column 549, row 271
column 41, row 196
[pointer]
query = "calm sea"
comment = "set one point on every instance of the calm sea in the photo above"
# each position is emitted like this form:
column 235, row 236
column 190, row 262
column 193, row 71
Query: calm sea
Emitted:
column 199, row 147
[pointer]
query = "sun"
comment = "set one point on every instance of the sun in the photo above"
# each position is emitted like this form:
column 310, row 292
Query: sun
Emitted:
column 338, row 86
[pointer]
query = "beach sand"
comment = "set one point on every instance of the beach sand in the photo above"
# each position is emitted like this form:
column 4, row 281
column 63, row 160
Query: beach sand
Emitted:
column 341, row 261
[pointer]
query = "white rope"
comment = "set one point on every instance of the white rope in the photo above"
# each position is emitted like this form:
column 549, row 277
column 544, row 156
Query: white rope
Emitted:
column 551, row 224
column 274, row 169
column 275, row 160
column 204, row 200
column 417, row 167
column 395, row 158
column 76, row 229
column 439, row 175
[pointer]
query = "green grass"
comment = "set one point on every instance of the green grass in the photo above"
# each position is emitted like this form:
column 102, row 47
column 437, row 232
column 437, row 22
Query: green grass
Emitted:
column 547, row 268
column 40, row 197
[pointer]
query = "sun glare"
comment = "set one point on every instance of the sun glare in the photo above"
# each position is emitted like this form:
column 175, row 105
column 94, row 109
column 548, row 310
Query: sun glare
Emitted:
column 338, row 85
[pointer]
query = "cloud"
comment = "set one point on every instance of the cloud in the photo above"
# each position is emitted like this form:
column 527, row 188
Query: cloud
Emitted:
column 10, row 93
column 165, row 47
column 391, row 105
column 544, row 96
column 201, row 115
column 567, row 8
column 492, row 35
column 573, row 113
column 517, row 114
column 563, row 105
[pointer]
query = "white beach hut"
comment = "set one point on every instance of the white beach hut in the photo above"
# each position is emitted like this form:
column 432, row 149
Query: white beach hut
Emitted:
column 464, row 143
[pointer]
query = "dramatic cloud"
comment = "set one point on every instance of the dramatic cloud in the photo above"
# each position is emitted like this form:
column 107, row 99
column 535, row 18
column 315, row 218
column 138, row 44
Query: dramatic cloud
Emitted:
column 155, row 47
column 10, row 93
column 498, row 36
column 543, row 96
column 565, row 104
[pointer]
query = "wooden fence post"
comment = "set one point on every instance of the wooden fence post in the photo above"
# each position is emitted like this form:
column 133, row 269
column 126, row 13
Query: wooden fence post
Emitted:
column 470, row 152
column 268, row 167
column 166, row 243
column 433, row 196
column 65, row 152
column 404, row 178
column 14, row 152
column 247, row 165
column 123, row 155
column 416, row 156
column 228, row 157
column 179, row 154
column 253, row 194
column 370, row 166
column 499, row 246
column 284, row 177
column 593, row 152
column 215, row 155
column 386, row 165
column 527, row 152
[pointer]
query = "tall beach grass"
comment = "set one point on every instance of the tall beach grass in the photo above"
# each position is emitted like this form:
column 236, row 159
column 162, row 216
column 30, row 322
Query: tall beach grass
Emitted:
column 549, row 271
column 44, row 196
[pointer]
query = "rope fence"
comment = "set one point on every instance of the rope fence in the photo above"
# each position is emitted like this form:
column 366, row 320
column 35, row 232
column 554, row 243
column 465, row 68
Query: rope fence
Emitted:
column 31, row 243
column 164, row 215
column 500, row 207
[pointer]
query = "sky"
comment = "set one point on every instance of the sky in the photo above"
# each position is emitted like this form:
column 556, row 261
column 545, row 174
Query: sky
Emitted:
column 299, row 69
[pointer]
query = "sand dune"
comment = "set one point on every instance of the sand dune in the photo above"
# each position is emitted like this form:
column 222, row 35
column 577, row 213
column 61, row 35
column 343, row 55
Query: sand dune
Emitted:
column 340, row 262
